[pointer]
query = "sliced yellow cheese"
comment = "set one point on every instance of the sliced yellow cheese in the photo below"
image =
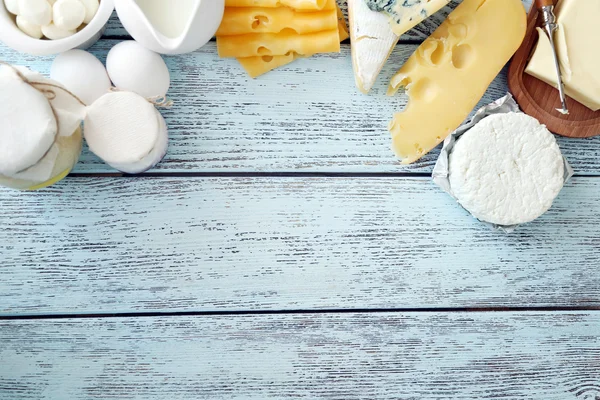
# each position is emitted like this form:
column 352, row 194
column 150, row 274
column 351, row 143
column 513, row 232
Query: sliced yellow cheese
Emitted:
column 273, row 44
column 256, row 66
column 342, row 25
column 449, row 73
column 309, row 5
column 578, row 52
column 239, row 21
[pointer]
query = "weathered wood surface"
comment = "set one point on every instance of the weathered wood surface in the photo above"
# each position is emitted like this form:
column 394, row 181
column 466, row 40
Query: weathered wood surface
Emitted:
column 286, row 121
column 102, row 245
column 508, row 356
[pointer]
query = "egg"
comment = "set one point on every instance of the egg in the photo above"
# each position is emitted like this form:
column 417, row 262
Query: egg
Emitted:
column 134, row 68
column 81, row 73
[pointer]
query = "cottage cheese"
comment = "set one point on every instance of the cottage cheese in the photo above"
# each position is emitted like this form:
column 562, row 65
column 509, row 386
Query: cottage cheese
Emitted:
column 507, row 169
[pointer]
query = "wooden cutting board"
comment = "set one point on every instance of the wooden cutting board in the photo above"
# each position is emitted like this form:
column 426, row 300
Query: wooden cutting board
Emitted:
column 540, row 100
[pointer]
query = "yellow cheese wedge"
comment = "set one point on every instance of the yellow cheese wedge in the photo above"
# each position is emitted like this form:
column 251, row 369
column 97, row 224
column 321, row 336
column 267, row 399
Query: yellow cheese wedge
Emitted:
column 449, row 73
column 278, row 44
column 578, row 51
column 239, row 21
column 256, row 66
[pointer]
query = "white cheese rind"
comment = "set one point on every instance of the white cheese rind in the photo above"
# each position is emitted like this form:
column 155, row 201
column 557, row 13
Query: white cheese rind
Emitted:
column 507, row 169
column 372, row 43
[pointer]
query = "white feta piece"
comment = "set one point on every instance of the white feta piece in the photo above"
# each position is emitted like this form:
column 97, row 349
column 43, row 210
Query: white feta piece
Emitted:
column 507, row 169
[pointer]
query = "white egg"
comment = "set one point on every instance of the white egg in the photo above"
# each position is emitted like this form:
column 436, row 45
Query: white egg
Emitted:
column 134, row 68
column 12, row 6
column 38, row 12
column 68, row 14
column 81, row 73
column 33, row 30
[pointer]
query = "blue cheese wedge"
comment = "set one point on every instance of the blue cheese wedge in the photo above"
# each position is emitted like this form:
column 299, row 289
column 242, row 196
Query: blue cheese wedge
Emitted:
column 406, row 14
column 507, row 169
column 376, row 26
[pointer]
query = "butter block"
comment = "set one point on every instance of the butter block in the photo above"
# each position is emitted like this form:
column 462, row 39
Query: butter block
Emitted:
column 450, row 72
column 578, row 50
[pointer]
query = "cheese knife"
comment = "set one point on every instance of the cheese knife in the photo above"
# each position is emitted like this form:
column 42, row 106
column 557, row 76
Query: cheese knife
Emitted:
column 546, row 7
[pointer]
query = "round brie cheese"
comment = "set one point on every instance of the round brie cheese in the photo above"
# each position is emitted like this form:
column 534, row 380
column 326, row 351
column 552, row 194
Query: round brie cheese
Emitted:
column 507, row 169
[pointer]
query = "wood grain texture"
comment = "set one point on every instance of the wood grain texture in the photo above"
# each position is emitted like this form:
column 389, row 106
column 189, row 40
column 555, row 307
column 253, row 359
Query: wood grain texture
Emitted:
column 541, row 100
column 294, row 119
column 508, row 356
column 103, row 245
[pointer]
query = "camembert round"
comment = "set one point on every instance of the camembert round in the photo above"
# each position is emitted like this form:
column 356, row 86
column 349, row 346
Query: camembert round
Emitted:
column 507, row 169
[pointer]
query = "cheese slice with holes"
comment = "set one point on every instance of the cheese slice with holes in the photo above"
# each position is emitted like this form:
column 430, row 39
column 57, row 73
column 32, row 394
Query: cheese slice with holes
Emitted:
column 450, row 72
column 239, row 21
column 374, row 34
column 256, row 66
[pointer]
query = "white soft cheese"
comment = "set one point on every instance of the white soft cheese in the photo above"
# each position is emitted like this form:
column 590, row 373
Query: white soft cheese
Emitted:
column 372, row 43
column 507, row 169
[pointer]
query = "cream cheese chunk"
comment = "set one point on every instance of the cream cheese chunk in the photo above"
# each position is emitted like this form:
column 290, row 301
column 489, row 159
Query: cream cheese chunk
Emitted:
column 578, row 46
column 507, row 169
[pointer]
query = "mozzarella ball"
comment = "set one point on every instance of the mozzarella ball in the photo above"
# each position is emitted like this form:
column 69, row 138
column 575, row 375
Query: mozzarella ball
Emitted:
column 68, row 14
column 81, row 73
column 134, row 68
column 53, row 32
column 38, row 12
column 12, row 6
column 33, row 30
column 91, row 8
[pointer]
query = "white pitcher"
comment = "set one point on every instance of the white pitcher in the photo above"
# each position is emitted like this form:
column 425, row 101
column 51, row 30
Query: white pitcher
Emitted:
column 171, row 26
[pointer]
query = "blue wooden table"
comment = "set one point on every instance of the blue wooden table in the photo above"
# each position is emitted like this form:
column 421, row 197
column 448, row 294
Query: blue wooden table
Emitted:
column 280, row 251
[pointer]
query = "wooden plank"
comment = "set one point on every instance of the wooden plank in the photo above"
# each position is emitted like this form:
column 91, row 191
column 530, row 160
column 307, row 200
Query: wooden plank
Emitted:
column 295, row 119
column 418, row 34
column 91, row 245
column 510, row 356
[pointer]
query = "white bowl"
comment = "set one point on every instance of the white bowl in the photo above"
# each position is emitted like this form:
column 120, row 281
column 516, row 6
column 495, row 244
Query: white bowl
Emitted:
column 13, row 37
